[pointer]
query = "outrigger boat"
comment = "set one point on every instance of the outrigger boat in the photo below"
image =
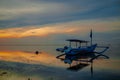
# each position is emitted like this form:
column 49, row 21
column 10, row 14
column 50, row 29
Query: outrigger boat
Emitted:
column 80, row 53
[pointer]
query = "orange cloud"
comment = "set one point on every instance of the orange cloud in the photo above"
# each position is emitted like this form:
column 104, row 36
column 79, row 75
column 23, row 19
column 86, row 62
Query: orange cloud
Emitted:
column 76, row 27
column 32, row 31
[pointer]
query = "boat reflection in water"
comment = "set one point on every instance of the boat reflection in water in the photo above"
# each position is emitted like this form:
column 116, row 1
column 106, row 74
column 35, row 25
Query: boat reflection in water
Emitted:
column 80, row 66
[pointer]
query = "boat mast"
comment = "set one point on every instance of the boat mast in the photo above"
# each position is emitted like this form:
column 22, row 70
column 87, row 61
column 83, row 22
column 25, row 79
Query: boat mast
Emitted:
column 91, row 36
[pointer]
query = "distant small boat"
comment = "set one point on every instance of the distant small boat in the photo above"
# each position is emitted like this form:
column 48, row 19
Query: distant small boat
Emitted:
column 37, row 52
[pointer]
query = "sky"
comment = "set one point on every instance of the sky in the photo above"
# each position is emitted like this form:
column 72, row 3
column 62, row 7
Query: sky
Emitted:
column 47, row 21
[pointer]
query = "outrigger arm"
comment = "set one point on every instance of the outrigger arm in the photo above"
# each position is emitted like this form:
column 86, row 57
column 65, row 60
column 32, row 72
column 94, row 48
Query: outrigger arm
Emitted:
column 58, row 57
column 100, row 53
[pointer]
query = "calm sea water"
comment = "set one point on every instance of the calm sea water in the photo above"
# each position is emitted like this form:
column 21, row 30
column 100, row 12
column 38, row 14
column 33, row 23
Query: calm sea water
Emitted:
column 101, row 69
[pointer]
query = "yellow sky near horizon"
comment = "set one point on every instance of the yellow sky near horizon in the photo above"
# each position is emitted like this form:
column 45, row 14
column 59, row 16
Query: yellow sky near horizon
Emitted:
column 62, row 28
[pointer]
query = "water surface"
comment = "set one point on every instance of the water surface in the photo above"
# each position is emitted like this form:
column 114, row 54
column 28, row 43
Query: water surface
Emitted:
column 22, row 62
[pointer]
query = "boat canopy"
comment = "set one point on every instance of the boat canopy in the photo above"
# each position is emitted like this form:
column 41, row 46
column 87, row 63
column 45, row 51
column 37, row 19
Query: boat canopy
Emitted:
column 77, row 40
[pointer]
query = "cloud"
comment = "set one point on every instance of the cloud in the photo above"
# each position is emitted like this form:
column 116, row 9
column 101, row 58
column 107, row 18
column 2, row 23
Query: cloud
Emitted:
column 25, row 7
column 20, row 13
column 30, row 31
column 75, row 27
